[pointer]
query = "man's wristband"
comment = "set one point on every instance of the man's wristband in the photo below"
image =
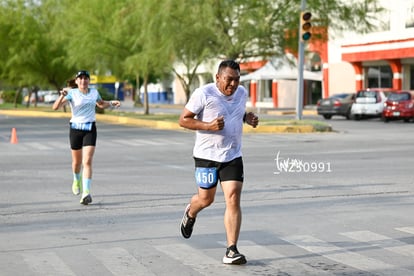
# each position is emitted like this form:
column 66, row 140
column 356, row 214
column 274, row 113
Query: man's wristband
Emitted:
column 244, row 117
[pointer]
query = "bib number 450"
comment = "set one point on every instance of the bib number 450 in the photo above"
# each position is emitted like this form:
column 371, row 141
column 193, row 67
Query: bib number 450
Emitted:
column 206, row 177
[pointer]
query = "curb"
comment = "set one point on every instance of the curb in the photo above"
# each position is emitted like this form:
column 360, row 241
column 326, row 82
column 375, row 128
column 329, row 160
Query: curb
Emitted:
column 290, row 112
column 162, row 124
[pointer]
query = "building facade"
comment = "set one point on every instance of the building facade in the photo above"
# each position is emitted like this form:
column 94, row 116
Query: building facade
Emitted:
column 348, row 62
column 383, row 58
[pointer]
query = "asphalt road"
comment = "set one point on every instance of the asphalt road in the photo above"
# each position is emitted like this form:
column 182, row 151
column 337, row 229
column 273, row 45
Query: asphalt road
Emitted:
column 336, row 203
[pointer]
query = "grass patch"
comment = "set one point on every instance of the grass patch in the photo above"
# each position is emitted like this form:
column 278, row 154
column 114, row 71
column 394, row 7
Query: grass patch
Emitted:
column 10, row 106
column 157, row 117
column 318, row 125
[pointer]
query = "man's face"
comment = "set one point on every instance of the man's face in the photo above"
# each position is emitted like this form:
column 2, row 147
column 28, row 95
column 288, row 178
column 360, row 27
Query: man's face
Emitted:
column 228, row 80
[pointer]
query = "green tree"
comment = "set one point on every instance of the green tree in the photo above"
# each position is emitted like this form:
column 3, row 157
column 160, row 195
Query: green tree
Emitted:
column 48, row 40
column 118, row 36
column 191, row 37
column 251, row 29
column 201, row 30
column 154, row 57
column 33, row 58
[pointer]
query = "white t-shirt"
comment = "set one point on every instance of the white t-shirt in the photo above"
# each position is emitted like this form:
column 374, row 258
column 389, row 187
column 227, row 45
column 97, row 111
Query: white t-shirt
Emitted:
column 83, row 105
column 209, row 103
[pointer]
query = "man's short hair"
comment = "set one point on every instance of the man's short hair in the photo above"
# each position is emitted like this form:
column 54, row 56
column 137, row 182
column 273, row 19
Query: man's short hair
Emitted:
column 229, row 63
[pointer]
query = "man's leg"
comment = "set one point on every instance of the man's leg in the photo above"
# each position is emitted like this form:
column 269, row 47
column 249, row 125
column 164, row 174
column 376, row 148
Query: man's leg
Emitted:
column 232, row 221
column 201, row 200
column 198, row 202
column 233, row 215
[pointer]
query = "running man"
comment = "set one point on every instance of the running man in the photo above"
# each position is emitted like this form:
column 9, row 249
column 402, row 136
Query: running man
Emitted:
column 216, row 112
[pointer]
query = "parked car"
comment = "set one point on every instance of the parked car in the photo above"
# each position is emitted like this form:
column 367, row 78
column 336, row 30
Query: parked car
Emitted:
column 399, row 106
column 369, row 103
column 339, row 104
column 51, row 97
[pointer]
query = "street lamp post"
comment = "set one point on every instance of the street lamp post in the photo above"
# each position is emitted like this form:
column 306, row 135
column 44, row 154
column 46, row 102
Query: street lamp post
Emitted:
column 116, row 90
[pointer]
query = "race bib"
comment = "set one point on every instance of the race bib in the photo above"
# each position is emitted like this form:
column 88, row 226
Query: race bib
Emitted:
column 81, row 126
column 206, row 178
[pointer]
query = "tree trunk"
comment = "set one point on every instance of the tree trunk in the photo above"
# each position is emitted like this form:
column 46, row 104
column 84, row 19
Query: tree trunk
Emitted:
column 16, row 97
column 146, row 102
column 29, row 96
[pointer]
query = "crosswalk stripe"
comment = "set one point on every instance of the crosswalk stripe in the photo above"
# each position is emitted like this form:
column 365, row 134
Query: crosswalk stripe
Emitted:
column 382, row 241
column 409, row 230
column 337, row 254
column 120, row 262
column 278, row 261
column 46, row 263
column 191, row 257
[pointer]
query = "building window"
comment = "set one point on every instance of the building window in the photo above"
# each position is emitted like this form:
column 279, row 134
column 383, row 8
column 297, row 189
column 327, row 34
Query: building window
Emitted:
column 412, row 77
column 379, row 76
column 409, row 22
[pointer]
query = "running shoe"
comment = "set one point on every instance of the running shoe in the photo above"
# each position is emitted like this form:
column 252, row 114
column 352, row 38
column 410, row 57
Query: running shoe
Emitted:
column 233, row 256
column 86, row 199
column 76, row 187
column 187, row 224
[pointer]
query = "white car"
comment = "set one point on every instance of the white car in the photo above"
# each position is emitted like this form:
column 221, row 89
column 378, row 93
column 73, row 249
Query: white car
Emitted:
column 369, row 103
column 51, row 97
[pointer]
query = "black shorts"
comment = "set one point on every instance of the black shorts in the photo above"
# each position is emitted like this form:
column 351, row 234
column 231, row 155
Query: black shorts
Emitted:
column 81, row 138
column 232, row 170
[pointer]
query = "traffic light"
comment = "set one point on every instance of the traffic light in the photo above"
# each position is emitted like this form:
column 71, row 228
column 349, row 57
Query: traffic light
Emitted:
column 305, row 26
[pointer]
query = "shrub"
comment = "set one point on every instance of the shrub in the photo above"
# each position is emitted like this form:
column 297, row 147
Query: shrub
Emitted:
column 106, row 96
column 10, row 95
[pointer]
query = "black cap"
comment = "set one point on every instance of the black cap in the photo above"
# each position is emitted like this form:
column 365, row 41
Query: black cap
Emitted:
column 83, row 73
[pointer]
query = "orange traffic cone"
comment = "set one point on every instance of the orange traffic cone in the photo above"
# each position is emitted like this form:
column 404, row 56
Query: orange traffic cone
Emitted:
column 13, row 138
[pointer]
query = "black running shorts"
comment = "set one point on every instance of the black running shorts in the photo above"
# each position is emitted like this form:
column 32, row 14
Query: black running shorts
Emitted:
column 81, row 138
column 232, row 170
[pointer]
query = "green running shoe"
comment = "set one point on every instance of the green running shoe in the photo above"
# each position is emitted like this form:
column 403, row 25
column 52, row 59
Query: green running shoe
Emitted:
column 76, row 186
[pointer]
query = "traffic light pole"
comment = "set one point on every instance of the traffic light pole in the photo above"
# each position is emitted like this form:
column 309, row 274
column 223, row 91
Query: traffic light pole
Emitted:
column 301, row 50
